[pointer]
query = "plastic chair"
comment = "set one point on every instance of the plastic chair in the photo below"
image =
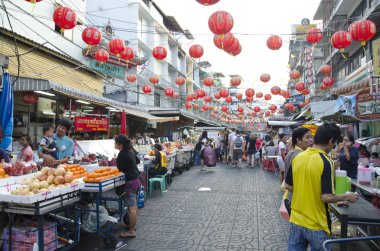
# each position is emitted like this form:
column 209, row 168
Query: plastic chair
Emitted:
column 269, row 165
column 161, row 180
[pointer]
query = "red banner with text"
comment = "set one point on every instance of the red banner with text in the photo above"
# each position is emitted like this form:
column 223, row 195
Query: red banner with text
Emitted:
column 91, row 124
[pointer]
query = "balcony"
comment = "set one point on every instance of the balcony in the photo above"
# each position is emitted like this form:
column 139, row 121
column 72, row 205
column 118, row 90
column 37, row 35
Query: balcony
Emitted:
column 344, row 7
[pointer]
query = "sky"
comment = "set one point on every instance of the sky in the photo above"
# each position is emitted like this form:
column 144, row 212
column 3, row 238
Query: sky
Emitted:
column 250, row 17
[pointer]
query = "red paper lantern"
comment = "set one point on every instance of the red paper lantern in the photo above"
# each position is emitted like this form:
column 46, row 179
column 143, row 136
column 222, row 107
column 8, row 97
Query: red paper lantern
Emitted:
column 127, row 54
column 267, row 113
column 229, row 99
column 188, row 105
column 189, row 98
column 223, row 93
column 289, row 106
column 305, row 92
column 240, row 109
column 196, row 106
column 249, row 92
column 314, row 35
column 286, row 94
column 328, row 81
column 326, row 70
column 209, row 81
column 196, row 51
column 195, row 95
column 224, row 108
column 274, row 42
column 341, row 40
column 169, row 92
column 207, row 99
column 236, row 81
column 239, row 95
column 33, row 1
column 200, row 93
column 180, row 81
column 175, row 95
column 91, row 36
column 64, row 18
column 159, row 53
column 249, row 99
column 300, row 86
column 265, row 77
column 234, row 49
column 147, row 89
column 131, row 78
column 116, row 46
column 220, row 22
column 273, row 107
column 30, row 98
column 256, row 109
column 307, row 101
column 205, row 107
column 102, row 56
column 302, row 104
column 207, row 2
column 362, row 31
column 275, row 90
column 294, row 74
column 74, row 106
column 259, row 95
column 217, row 95
column 224, row 40
column 154, row 79
column 268, row 97
column 324, row 88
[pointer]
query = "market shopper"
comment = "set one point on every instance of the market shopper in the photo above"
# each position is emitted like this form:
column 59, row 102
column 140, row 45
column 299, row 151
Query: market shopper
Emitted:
column 251, row 150
column 237, row 144
column 26, row 153
column 260, row 144
column 65, row 145
column 348, row 156
column 127, row 163
column 231, row 135
column 203, row 141
column 310, row 179
column 159, row 162
column 281, row 149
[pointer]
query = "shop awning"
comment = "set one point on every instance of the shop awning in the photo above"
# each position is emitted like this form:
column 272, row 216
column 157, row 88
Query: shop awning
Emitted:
column 198, row 118
column 305, row 113
column 150, row 117
column 281, row 123
column 350, row 88
column 340, row 118
column 323, row 108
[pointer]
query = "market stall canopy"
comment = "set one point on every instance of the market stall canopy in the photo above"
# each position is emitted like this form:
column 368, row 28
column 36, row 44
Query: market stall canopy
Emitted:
column 281, row 123
column 303, row 115
column 323, row 108
column 340, row 118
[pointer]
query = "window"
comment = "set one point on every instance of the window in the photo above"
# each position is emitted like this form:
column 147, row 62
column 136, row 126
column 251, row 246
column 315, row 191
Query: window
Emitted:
column 157, row 99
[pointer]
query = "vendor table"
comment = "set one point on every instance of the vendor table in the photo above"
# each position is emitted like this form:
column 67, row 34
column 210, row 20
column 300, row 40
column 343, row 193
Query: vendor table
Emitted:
column 360, row 213
column 368, row 189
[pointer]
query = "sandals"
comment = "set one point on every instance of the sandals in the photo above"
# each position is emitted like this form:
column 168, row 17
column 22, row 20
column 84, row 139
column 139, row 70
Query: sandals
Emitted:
column 127, row 235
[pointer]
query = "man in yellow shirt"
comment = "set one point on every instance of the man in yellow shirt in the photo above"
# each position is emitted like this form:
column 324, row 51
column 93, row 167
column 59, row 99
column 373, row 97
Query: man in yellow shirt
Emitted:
column 311, row 179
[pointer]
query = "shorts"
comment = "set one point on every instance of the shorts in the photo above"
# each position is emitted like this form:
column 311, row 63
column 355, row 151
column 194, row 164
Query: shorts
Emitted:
column 238, row 153
column 231, row 152
column 281, row 164
column 132, row 188
column 251, row 151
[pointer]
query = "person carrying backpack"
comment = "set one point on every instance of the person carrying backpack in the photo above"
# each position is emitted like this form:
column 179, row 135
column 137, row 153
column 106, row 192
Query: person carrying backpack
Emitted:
column 237, row 144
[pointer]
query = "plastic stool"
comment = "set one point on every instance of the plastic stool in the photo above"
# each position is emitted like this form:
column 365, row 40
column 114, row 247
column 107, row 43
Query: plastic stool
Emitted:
column 161, row 180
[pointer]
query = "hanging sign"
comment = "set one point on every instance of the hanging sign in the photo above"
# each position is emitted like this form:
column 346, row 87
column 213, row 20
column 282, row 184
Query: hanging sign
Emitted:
column 108, row 69
column 368, row 108
column 91, row 124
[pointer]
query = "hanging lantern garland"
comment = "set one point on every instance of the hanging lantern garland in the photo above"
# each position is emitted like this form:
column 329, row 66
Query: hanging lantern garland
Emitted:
column 300, row 86
column 91, row 36
column 64, row 18
column 147, row 89
column 169, row 92
column 224, row 93
column 127, row 54
column 159, row 53
column 201, row 93
column 268, row 97
column 196, row 51
column 362, row 31
column 207, row 2
column 314, row 35
column 238, row 95
column 102, row 56
column 175, row 95
column 249, row 92
column 274, row 42
column 224, row 40
column 326, row 70
column 294, row 74
column 341, row 40
column 217, row 95
column 265, row 77
column 209, row 81
column 154, row 80
column 275, row 90
column 328, row 81
column 259, row 95
column 235, row 81
column 220, row 22
column 116, row 46
column 131, row 78
column 180, row 81
column 235, row 49
column 188, row 105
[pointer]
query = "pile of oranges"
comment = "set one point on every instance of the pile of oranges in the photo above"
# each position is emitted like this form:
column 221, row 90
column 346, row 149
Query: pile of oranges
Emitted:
column 102, row 174
column 3, row 174
column 78, row 171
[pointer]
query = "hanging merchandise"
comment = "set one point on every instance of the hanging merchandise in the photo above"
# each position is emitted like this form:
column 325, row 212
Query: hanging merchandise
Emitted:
column 64, row 18
column 328, row 81
column 294, row 74
column 154, row 80
column 300, row 86
column 91, row 36
column 147, row 89
column 224, row 40
column 196, row 51
column 341, row 40
column 159, row 53
column 362, row 31
column 249, row 92
column 169, row 92
column 268, row 97
column 274, row 42
column 235, row 81
column 127, row 54
column 314, row 35
column 209, row 81
column 220, row 22
column 188, row 105
column 207, row 2
column 131, row 78
column 265, row 77
column 238, row 95
column 102, row 56
column 275, row 90
column 326, row 70
column 180, row 81
column 116, row 46
column 259, row 95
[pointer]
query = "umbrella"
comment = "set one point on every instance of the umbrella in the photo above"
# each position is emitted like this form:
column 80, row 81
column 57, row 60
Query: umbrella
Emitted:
column 6, row 113
column 340, row 118
column 123, row 129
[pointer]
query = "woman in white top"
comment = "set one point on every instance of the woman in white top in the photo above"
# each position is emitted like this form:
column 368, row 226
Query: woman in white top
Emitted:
column 281, row 149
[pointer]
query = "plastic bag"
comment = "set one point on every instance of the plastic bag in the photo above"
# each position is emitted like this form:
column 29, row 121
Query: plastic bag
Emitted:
column 89, row 219
column 283, row 212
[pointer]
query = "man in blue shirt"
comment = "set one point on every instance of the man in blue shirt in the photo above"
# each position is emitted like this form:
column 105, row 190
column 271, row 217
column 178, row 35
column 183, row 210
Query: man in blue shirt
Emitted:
column 65, row 145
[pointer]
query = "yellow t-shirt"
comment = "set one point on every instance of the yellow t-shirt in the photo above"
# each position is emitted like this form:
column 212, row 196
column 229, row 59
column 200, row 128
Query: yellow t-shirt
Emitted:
column 311, row 174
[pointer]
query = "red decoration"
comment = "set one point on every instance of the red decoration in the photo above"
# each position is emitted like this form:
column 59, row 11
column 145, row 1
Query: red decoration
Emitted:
column 326, row 70
column 116, row 46
column 207, row 2
column 33, row 1
column 294, row 74
column 265, row 77
column 220, row 22
column 268, row 97
column 236, row 81
column 267, row 113
column 341, row 40
column 30, row 98
column 229, row 99
column 240, row 109
column 207, row 99
column 127, row 54
column 328, row 81
column 300, row 86
column 314, row 35
column 302, row 104
column 180, row 81
column 362, row 31
column 259, row 95
column 131, row 78
column 224, row 93
column 224, row 40
column 205, row 107
column 249, row 99
column 305, row 92
column 209, row 81
column 274, row 42
column 234, row 49
column 256, row 109
column 175, row 95
column 159, row 53
column 224, row 108
column 195, row 96
column 189, row 98
column 188, row 105
column 196, row 51
column 169, row 92
column 91, row 36
column 147, row 89
column 239, row 95
column 154, row 79
column 217, row 95
column 273, row 108
column 275, row 90
column 289, row 106
column 196, row 106
column 249, row 92
column 201, row 93
column 324, row 88
column 74, row 106
column 281, row 111
column 64, row 18
column 102, row 56
column 285, row 94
